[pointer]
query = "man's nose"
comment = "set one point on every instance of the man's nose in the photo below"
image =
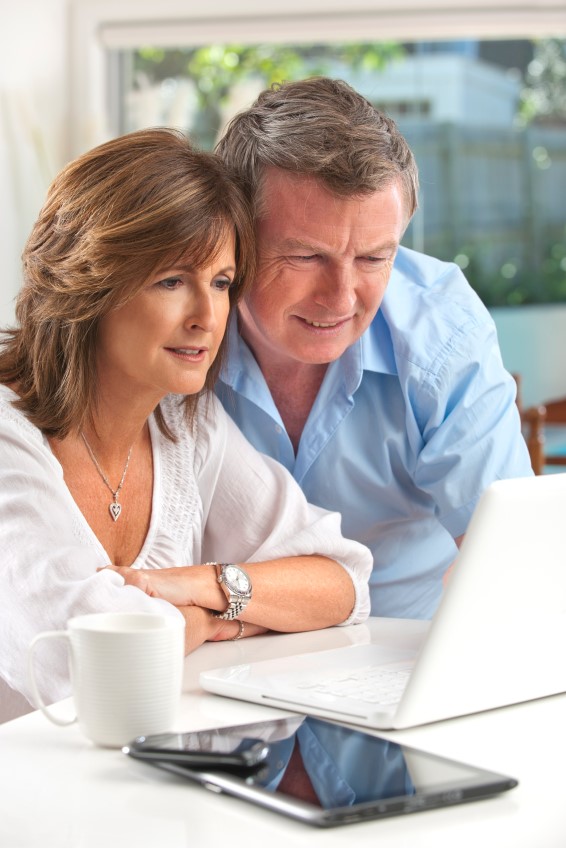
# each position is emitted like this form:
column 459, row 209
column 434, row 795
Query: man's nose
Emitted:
column 336, row 290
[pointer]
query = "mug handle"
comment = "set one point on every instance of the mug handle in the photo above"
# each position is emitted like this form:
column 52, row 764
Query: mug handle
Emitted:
column 49, row 634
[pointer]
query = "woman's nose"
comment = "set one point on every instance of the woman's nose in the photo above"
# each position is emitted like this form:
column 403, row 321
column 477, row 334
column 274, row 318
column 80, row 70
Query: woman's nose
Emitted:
column 202, row 312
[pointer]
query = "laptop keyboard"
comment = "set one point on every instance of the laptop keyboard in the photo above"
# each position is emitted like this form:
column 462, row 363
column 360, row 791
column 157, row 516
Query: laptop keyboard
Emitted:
column 371, row 685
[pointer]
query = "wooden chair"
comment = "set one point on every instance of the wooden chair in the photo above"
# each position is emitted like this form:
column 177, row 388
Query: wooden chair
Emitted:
column 555, row 417
column 538, row 422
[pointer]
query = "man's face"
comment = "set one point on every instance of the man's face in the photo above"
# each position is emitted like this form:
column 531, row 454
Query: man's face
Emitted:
column 323, row 266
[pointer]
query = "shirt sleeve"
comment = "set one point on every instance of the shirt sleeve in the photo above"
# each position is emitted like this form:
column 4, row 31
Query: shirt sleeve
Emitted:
column 48, row 565
column 255, row 511
column 469, row 424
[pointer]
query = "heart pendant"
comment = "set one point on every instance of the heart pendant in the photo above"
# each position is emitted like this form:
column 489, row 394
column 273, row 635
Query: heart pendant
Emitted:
column 115, row 509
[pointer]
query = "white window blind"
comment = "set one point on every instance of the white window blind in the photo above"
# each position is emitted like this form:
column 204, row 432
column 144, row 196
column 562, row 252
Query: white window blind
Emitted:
column 402, row 20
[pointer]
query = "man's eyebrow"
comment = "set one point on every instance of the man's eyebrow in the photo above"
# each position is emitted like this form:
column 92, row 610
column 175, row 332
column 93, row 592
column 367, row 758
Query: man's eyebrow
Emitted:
column 387, row 245
column 309, row 247
column 298, row 244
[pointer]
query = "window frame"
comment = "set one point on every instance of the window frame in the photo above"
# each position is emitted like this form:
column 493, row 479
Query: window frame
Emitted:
column 98, row 25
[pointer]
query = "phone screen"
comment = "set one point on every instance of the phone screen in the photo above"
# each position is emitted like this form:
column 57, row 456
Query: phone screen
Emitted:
column 327, row 773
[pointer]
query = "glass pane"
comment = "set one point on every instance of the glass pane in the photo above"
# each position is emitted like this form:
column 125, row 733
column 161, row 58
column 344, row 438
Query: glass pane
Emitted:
column 485, row 119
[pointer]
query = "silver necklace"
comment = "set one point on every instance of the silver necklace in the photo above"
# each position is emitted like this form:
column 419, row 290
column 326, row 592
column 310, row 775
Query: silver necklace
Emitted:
column 114, row 508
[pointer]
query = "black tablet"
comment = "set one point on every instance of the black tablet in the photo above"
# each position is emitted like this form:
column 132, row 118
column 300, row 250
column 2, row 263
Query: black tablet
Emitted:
column 327, row 774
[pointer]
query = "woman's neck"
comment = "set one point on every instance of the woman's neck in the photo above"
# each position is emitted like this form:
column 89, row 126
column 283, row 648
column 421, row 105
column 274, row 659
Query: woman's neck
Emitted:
column 118, row 422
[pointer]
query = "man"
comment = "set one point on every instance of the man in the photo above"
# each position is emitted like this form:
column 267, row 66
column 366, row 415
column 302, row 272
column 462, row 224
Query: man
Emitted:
column 372, row 372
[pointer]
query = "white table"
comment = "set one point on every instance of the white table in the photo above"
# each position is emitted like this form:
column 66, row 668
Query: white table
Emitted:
column 58, row 791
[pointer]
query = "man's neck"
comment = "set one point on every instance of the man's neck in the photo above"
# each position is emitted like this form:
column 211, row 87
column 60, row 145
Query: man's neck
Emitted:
column 293, row 385
column 294, row 389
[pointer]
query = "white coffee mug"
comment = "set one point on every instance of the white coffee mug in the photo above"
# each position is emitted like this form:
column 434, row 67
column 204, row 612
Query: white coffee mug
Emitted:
column 126, row 674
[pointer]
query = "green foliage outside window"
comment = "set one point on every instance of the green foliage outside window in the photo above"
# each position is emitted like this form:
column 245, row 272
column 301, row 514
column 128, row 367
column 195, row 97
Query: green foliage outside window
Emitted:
column 216, row 69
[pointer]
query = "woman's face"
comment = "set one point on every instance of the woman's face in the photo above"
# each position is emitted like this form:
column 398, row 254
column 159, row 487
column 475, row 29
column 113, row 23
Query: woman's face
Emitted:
column 166, row 338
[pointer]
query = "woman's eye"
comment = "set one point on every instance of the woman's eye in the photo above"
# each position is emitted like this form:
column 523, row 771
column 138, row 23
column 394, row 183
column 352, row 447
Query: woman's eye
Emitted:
column 222, row 283
column 170, row 283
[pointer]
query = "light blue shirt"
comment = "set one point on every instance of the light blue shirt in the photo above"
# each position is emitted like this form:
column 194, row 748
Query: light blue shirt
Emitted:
column 409, row 427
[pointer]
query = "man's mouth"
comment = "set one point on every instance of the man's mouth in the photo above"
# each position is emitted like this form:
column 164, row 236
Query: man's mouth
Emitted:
column 326, row 325
column 321, row 323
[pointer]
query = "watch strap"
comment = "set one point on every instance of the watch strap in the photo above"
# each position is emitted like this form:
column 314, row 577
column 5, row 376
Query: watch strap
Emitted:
column 232, row 611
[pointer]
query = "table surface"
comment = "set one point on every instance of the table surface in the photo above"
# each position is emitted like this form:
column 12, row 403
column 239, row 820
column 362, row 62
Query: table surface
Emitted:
column 60, row 791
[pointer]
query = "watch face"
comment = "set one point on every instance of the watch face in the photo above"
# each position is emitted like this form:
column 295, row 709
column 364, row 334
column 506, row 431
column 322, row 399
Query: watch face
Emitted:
column 237, row 580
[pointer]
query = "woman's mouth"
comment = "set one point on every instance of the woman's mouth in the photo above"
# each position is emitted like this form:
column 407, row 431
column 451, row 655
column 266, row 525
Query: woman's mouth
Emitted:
column 189, row 353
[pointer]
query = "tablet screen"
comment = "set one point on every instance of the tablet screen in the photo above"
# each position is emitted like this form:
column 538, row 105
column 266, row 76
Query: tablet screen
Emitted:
column 326, row 773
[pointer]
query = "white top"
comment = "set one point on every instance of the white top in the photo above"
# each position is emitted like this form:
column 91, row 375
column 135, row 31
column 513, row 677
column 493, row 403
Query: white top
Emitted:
column 214, row 498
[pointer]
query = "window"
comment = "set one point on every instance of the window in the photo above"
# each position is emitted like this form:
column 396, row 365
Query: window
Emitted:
column 486, row 120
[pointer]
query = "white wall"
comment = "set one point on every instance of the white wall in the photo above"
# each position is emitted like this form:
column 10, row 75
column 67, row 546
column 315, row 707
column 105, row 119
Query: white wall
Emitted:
column 533, row 344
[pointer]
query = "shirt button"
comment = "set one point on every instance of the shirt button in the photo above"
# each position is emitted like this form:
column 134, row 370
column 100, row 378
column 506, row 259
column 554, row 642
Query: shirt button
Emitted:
column 278, row 429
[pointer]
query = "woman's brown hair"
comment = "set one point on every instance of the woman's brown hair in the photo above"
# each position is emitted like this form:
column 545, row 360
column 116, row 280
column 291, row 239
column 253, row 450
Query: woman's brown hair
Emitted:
column 110, row 219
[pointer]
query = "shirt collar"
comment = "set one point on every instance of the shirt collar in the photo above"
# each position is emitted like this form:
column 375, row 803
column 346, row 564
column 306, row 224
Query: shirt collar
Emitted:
column 239, row 362
column 377, row 345
column 372, row 352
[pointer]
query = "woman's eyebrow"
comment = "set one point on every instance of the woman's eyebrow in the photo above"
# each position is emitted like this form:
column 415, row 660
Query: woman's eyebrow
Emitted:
column 182, row 268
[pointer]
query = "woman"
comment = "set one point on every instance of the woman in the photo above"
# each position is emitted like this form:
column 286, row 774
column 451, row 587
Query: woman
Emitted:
column 115, row 460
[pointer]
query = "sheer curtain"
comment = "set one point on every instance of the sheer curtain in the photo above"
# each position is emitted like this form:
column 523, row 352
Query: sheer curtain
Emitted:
column 33, row 98
column 25, row 173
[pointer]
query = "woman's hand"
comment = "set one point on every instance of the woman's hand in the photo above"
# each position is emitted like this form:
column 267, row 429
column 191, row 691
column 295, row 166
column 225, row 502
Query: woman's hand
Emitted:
column 230, row 631
column 194, row 585
column 176, row 586
column 202, row 626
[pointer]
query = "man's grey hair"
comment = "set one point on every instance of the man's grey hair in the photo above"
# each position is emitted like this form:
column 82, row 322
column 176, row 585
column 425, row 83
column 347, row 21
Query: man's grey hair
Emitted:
column 324, row 129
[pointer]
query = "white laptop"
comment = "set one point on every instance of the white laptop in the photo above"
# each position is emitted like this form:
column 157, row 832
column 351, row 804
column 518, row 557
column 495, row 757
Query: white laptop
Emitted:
column 498, row 637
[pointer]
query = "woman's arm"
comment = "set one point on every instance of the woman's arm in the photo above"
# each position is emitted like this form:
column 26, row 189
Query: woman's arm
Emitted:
column 288, row 594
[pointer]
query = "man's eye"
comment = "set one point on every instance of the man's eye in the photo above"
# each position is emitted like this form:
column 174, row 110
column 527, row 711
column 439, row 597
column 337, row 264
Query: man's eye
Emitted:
column 307, row 257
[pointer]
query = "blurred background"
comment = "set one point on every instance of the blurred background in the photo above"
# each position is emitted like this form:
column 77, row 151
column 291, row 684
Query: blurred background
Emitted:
column 479, row 92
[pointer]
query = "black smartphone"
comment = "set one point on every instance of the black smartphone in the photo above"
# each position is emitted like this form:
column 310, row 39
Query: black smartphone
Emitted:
column 210, row 749
column 328, row 774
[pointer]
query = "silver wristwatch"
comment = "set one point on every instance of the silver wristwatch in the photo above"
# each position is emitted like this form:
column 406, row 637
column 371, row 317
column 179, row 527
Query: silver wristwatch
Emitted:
column 238, row 587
